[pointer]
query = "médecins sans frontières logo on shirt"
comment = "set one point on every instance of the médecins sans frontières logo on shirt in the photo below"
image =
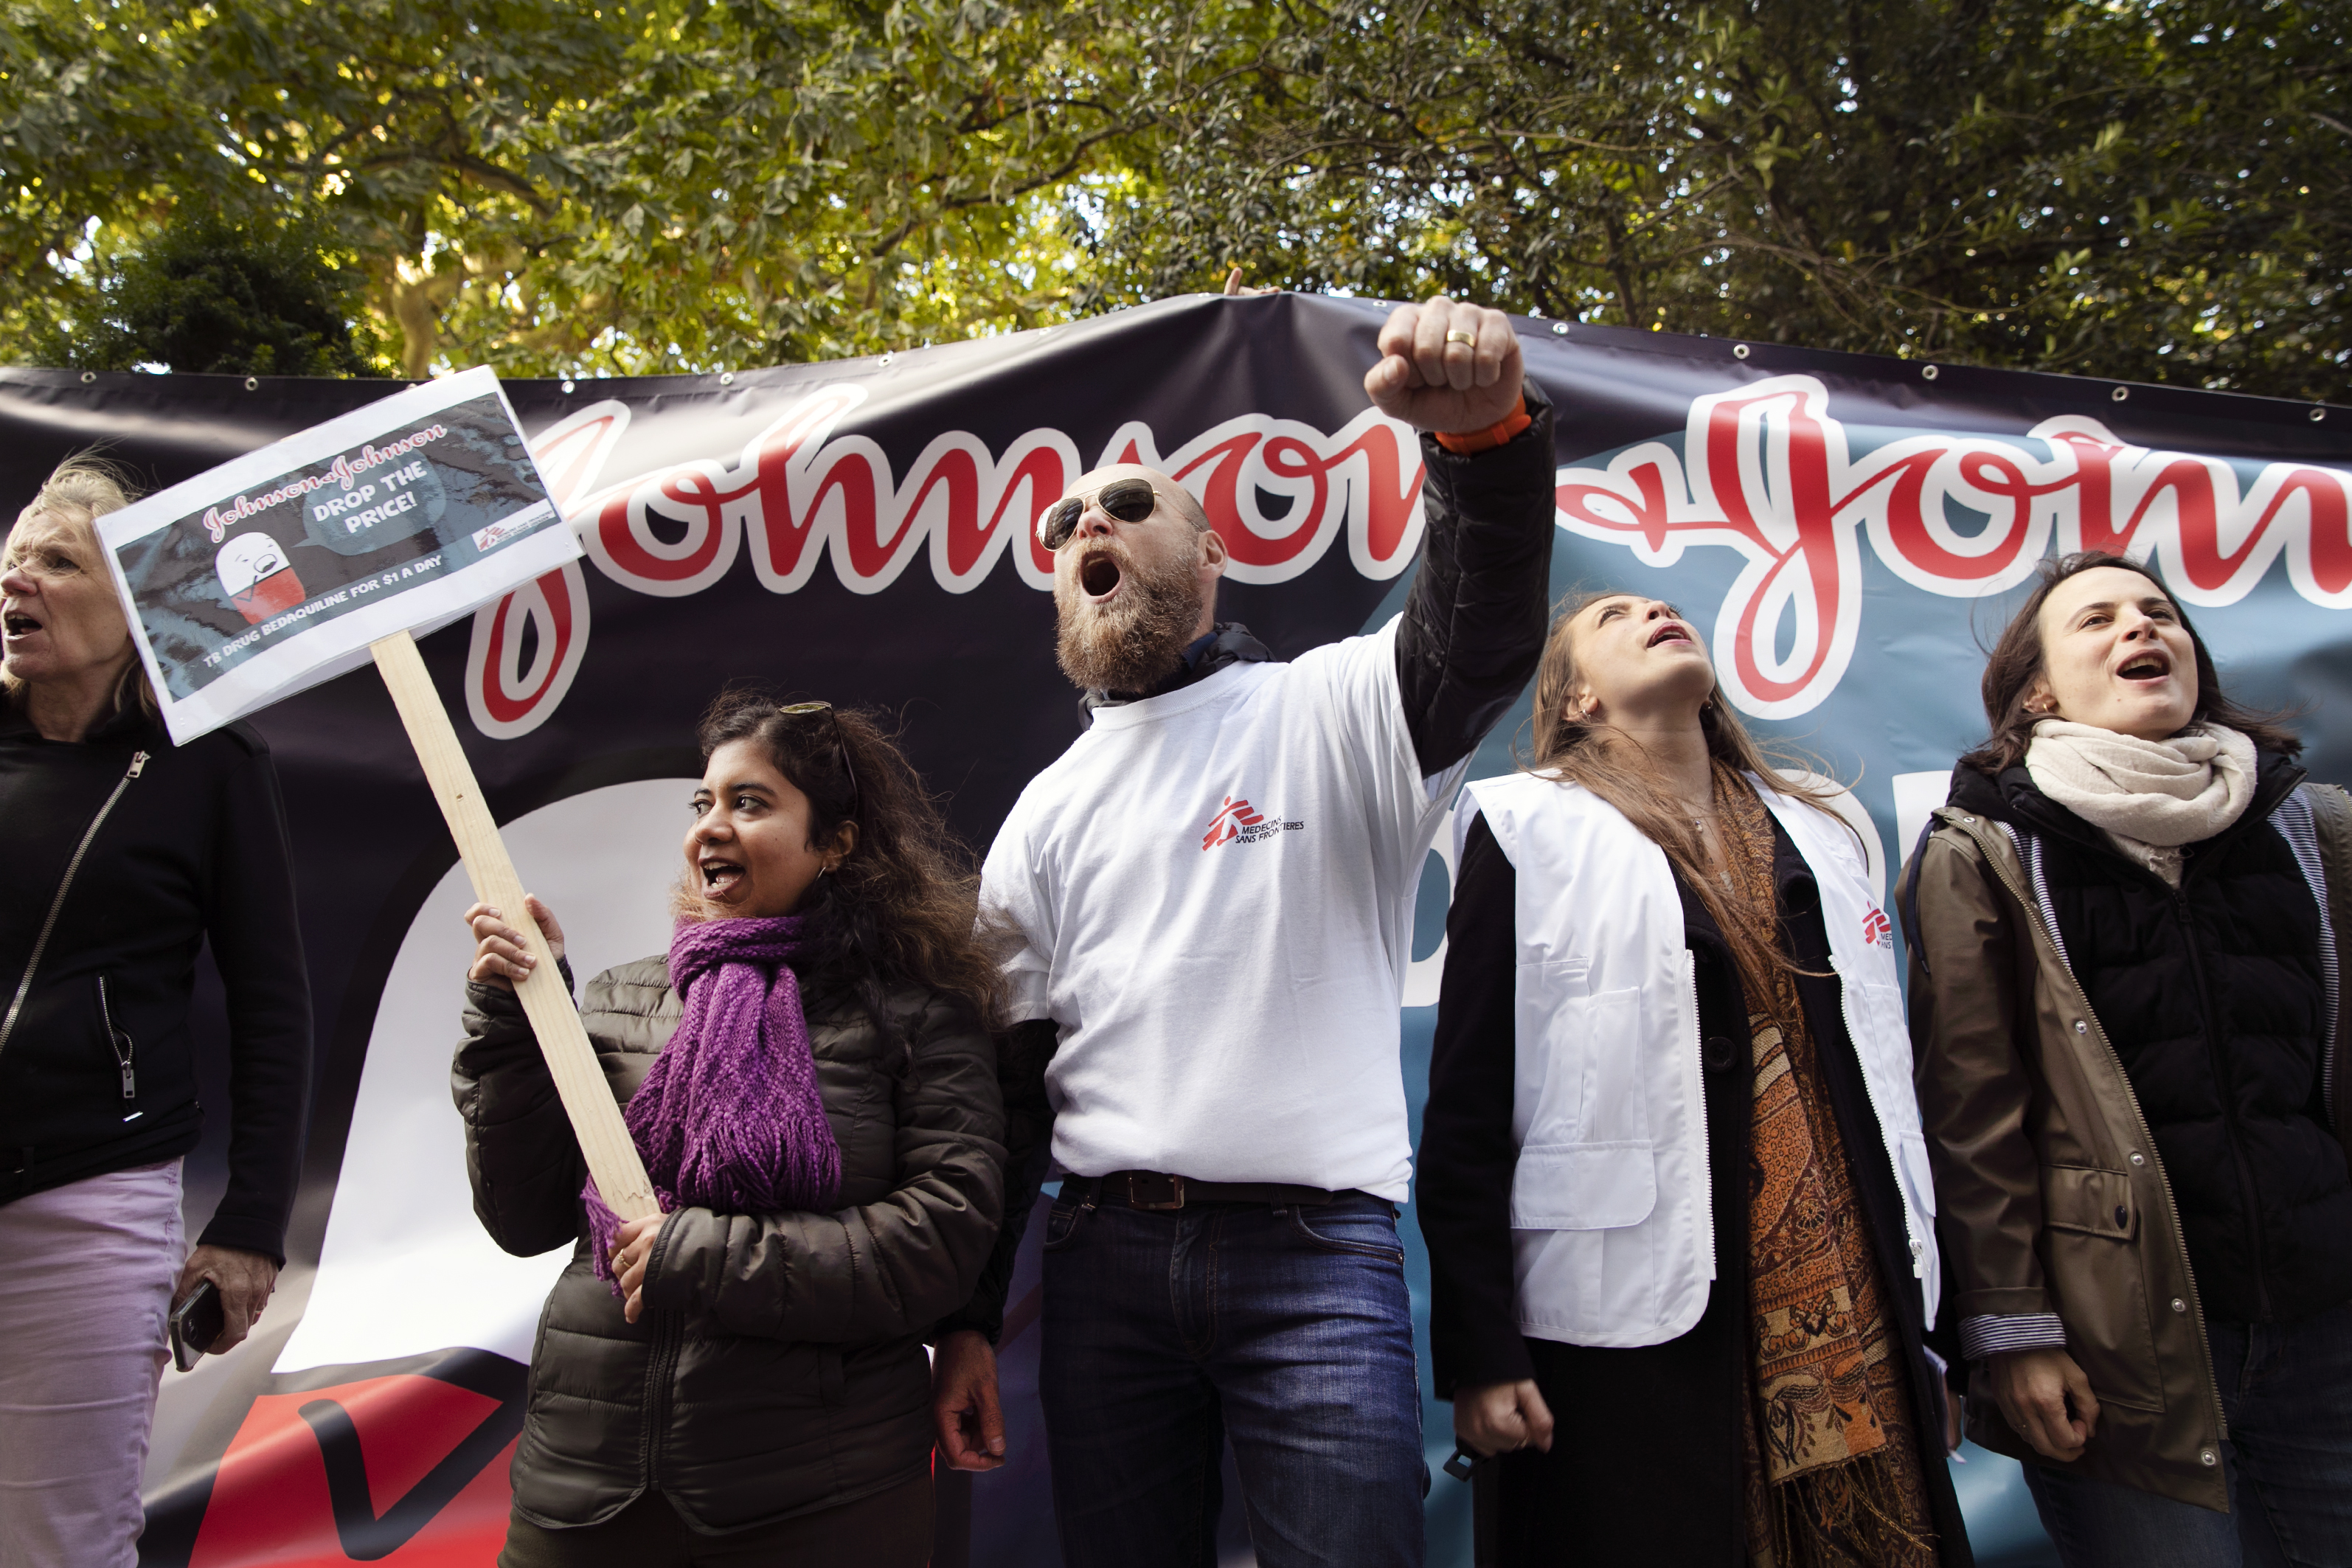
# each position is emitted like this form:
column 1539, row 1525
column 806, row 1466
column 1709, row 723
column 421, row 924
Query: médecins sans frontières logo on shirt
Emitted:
column 1237, row 822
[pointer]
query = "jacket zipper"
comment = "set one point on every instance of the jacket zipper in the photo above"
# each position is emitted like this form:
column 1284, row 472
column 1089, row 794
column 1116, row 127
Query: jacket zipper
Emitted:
column 65, row 886
column 2221, row 1092
column 661, row 1374
column 2148, row 1140
column 123, row 1047
column 1705, row 1139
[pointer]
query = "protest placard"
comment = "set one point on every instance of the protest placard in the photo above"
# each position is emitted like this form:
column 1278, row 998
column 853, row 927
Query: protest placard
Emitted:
column 275, row 571
column 306, row 558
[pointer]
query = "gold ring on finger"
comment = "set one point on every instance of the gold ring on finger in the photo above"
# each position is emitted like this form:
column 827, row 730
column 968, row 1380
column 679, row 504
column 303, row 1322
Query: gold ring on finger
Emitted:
column 1469, row 340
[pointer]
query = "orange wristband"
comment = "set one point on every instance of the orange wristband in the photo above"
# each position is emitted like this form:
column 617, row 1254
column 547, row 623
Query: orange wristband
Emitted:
column 1462, row 444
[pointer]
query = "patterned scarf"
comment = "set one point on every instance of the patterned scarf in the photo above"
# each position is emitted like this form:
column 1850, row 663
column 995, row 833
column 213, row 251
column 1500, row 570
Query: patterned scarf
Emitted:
column 1833, row 1467
column 729, row 1117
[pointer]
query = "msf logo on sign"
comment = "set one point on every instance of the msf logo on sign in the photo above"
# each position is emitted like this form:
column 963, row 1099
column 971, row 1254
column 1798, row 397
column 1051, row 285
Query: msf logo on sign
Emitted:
column 1237, row 822
column 1877, row 929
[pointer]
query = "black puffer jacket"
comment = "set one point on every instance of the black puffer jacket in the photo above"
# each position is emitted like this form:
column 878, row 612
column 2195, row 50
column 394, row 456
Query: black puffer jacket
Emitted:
column 2215, row 999
column 193, row 846
column 779, row 1368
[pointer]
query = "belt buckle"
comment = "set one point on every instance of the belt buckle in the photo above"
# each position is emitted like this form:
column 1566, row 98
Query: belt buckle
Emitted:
column 1136, row 1189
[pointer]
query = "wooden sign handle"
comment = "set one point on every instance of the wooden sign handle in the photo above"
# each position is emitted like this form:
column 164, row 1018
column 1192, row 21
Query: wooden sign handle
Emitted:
column 579, row 1079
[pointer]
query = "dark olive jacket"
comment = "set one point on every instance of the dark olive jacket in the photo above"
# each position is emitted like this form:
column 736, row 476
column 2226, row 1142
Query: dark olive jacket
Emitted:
column 778, row 1366
column 2070, row 1173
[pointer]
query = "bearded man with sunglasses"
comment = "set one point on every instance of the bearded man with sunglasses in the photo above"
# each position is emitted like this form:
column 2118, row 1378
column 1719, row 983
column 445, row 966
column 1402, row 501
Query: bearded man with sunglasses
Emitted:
column 1209, row 901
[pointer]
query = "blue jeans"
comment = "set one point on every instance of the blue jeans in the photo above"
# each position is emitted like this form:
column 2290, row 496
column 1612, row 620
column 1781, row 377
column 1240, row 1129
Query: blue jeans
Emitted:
column 2287, row 1392
column 1287, row 1329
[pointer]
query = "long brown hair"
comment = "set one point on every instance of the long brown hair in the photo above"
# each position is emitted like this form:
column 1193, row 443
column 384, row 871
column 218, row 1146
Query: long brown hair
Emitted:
column 2018, row 658
column 902, row 903
column 77, row 493
column 1610, row 764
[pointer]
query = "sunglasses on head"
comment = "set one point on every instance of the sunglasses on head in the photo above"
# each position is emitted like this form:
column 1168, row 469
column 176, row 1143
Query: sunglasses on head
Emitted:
column 1127, row 500
column 801, row 711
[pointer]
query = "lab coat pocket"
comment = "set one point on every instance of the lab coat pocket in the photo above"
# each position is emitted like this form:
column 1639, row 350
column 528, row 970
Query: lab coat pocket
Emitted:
column 1586, row 1069
column 1583, row 1238
column 1584, row 1186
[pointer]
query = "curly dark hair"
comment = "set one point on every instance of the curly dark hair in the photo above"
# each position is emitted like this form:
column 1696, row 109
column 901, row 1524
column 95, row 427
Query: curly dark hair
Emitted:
column 2017, row 658
column 903, row 903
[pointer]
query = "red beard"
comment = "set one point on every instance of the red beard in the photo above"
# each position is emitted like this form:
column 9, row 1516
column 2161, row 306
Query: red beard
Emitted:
column 1139, row 638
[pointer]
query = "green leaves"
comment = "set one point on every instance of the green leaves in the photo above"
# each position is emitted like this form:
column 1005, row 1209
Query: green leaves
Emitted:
column 2151, row 189
column 2008, row 182
column 213, row 297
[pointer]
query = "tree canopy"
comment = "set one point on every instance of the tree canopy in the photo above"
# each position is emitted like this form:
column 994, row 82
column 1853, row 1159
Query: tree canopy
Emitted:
column 2148, row 189
column 2155, row 190
column 547, row 185
column 211, row 296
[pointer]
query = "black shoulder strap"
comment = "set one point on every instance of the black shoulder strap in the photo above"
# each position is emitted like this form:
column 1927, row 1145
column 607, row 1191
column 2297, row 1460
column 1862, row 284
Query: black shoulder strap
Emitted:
column 1906, row 893
column 2331, row 819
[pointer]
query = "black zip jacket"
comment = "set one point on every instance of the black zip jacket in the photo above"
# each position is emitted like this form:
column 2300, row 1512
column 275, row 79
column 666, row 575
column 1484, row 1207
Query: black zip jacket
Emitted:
column 1674, row 1427
column 193, row 846
column 2215, row 999
column 1471, row 636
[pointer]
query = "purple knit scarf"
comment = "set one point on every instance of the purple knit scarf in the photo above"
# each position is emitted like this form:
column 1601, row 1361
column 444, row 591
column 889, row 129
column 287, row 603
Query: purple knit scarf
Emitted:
column 728, row 1119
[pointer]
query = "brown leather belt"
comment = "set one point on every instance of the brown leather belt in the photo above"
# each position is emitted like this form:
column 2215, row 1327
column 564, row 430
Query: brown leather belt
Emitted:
column 1157, row 1190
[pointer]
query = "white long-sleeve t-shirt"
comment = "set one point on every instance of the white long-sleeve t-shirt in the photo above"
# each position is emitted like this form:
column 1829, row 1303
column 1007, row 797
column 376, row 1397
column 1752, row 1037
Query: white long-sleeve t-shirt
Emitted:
column 1210, row 893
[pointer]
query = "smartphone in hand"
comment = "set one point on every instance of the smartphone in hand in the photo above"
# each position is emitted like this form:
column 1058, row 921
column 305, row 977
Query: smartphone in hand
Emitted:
column 196, row 1324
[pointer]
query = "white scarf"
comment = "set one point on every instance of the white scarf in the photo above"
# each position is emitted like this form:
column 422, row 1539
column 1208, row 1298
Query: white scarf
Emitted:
column 2149, row 796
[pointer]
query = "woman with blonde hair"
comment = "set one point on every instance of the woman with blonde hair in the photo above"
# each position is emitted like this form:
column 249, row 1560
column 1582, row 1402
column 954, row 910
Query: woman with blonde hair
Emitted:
column 1679, row 1222
column 125, row 853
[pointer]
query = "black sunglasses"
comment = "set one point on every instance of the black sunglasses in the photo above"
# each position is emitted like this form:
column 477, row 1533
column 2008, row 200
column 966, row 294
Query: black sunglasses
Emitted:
column 800, row 710
column 1127, row 500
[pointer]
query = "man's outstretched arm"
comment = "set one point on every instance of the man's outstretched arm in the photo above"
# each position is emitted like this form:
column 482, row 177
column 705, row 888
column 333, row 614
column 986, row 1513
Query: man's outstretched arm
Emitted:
column 1473, row 622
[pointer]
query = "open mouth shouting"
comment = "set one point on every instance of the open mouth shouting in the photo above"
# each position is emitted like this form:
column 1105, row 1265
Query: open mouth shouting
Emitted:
column 1099, row 575
column 720, row 877
column 17, row 623
column 2147, row 666
column 1671, row 632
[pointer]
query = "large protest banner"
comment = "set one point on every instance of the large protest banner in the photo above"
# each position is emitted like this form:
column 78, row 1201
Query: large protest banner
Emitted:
column 1846, row 530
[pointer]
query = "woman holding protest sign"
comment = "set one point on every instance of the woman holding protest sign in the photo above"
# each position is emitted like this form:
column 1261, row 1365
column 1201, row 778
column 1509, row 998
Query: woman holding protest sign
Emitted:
column 810, row 1079
column 2126, row 982
column 125, row 855
column 1679, row 1228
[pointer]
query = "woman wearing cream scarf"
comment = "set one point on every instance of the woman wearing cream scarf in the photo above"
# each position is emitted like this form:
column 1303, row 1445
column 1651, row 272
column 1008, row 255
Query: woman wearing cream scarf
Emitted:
column 2151, row 1266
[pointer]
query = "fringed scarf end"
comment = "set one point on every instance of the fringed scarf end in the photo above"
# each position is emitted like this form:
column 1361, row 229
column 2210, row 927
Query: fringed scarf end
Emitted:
column 604, row 1230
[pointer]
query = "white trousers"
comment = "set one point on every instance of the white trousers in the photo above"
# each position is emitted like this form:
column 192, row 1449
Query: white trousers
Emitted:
column 85, row 1288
